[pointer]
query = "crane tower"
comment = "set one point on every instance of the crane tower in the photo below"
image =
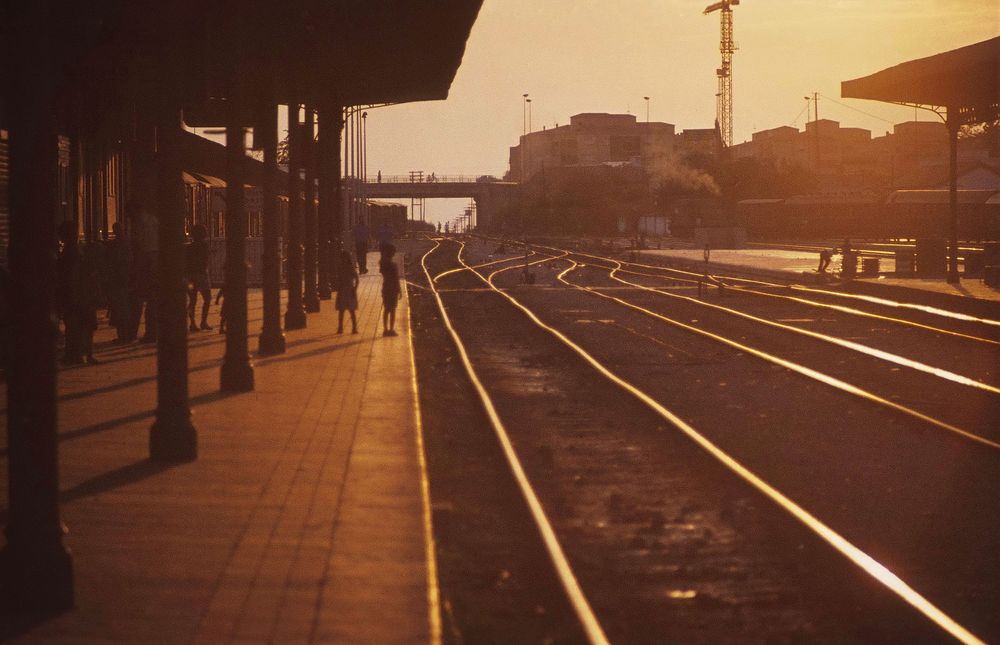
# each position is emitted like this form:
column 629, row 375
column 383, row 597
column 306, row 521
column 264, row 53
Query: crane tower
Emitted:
column 724, row 97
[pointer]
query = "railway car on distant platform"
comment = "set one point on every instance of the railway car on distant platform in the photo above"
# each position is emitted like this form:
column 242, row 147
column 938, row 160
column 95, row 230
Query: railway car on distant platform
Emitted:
column 902, row 214
column 386, row 213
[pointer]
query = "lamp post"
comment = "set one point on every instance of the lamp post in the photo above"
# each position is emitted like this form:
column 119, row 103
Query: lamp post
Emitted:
column 646, row 99
column 524, row 114
column 364, row 163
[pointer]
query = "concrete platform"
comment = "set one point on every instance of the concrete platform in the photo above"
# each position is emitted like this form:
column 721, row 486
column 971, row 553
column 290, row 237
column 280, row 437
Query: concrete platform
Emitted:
column 801, row 266
column 304, row 519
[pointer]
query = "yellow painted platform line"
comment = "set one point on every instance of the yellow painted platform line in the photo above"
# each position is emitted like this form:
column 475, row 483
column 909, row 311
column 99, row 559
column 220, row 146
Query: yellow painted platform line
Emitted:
column 430, row 554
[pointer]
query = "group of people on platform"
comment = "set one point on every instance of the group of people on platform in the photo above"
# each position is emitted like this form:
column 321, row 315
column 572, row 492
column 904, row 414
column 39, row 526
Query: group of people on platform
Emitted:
column 120, row 273
column 348, row 276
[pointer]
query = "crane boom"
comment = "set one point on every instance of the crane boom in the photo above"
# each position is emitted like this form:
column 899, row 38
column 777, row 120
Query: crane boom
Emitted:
column 724, row 73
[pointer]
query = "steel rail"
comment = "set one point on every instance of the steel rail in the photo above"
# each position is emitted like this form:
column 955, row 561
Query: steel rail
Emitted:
column 814, row 303
column 944, row 313
column 795, row 367
column 834, row 340
column 478, row 266
column 585, row 614
column 864, row 561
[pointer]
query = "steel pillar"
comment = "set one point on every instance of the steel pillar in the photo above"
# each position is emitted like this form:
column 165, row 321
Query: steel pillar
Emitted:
column 295, row 316
column 311, row 299
column 272, row 339
column 237, row 373
column 331, row 206
column 36, row 570
column 952, row 124
column 172, row 437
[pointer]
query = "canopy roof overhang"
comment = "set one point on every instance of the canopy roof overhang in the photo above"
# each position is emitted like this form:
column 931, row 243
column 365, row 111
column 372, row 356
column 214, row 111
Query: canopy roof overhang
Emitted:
column 966, row 81
column 345, row 52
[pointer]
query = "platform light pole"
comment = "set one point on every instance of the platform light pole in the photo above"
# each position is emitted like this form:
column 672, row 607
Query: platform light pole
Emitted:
column 646, row 99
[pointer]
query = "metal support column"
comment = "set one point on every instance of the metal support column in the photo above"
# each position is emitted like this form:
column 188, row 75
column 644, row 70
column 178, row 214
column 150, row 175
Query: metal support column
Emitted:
column 172, row 437
column 311, row 300
column 952, row 124
column 330, row 206
column 236, row 374
column 36, row 570
column 272, row 339
column 295, row 316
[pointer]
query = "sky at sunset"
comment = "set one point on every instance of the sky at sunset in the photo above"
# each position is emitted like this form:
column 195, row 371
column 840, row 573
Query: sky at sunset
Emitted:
column 576, row 56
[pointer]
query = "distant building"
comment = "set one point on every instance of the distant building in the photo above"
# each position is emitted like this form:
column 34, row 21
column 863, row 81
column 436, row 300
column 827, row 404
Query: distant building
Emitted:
column 698, row 142
column 592, row 139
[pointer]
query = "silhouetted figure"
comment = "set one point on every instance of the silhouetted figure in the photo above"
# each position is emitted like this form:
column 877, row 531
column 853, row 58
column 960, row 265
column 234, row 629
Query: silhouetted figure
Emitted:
column 221, row 296
column 825, row 256
column 385, row 236
column 78, row 292
column 144, row 239
column 117, row 283
column 390, row 289
column 849, row 264
column 347, row 292
column 379, row 176
column 196, row 263
column 361, row 246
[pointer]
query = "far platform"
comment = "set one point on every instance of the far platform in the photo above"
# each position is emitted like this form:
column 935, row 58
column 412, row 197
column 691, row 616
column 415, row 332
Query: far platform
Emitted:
column 801, row 266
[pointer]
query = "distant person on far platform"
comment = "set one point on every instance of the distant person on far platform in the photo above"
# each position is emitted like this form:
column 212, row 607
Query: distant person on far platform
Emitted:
column 347, row 292
column 390, row 289
column 385, row 236
column 825, row 256
column 361, row 246
column 379, row 177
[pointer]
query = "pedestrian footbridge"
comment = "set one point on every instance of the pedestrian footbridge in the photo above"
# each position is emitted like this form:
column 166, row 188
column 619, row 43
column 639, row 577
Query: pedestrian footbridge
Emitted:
column 490, row 195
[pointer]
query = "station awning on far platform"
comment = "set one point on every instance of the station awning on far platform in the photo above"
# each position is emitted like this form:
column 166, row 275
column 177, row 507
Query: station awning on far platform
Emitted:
column 966, row 80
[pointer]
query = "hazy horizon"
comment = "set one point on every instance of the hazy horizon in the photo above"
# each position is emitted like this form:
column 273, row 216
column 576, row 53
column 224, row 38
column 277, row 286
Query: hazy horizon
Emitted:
column 590, row 56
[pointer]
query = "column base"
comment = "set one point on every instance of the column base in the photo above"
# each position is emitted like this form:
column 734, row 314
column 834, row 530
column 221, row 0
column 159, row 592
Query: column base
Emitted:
column 236, row 375
column 270, row 343
column 36, row 579
column 173, row 438
column 295, row 319
column 312, row 305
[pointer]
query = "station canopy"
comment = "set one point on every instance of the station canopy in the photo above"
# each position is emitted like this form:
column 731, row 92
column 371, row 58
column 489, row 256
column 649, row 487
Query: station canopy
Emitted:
column 350, row 52
column 966, row 81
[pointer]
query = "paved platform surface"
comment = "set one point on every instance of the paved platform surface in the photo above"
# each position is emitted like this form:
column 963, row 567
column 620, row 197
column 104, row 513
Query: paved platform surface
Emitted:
column 802, row 265
column 303, row 520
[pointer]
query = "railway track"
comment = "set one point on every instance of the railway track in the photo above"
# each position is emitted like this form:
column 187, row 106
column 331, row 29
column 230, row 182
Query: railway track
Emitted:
column 553, row 309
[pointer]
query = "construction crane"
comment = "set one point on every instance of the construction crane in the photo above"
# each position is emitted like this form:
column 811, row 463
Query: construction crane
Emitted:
column 724, row 97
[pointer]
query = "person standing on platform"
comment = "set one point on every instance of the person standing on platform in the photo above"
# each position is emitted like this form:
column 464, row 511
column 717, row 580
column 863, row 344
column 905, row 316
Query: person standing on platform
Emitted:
column 385, row 236
column 120, row 312
column 77, row 296
column 144, row 237
column 390, row 289
column 196, row 261
column 361, row 245
column 347, row 292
